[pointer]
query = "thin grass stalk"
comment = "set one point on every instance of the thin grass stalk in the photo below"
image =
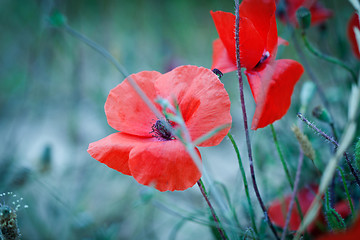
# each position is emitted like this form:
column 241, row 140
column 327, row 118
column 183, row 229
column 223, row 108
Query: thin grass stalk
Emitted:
column 246, row 186
column 286, row 169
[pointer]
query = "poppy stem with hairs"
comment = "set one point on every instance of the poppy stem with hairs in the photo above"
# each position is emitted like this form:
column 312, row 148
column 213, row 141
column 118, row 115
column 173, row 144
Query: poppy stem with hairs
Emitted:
column 242, row 99
column 216, row 219
column 330, row 139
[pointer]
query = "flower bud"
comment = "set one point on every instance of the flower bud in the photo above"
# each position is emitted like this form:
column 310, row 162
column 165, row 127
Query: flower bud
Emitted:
column 322, row 114
column 57, row 19
column 303, row 16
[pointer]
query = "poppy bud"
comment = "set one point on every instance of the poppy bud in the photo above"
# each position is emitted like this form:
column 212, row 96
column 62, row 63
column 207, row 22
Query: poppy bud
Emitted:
column 322, row 114
column 303, row 16
column 57, row 19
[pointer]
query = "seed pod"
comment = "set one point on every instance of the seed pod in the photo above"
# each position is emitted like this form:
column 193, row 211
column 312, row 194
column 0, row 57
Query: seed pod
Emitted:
column 303, row 16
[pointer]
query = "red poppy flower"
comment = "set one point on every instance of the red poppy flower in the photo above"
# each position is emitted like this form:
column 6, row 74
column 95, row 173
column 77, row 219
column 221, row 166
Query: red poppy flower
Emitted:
column 271, row 81
column 278, row 210
column 143, row 148
column 319, row 13
column 354, row 22
column 352, row 233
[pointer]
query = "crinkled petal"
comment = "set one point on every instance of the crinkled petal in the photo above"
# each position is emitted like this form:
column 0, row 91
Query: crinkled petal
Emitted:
column 354, row 22
column 202, row 98
column 272, row 88
column 221, row 58
column 252, row 44
column 262, row 15
column 126, row 111
column 114, row 150
column 164, row 165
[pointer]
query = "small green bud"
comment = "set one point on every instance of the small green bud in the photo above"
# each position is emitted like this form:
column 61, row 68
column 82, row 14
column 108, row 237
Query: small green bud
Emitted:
column 57, row 19
column 357, row 154
column 334, row 219
column 322, row 114
column 303, row 16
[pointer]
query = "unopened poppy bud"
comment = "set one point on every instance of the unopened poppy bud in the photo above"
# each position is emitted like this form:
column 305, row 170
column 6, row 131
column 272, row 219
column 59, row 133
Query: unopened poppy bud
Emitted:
column 57, row 19
column 303, row 16
column 218, row 72
column 357, row 154
column 322, row 114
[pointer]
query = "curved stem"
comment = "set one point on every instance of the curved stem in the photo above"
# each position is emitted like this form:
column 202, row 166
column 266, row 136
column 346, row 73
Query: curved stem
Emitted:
column 327, row 58
column 286, row 169
column 216, row 219
column 252, row 215
column 242, row 99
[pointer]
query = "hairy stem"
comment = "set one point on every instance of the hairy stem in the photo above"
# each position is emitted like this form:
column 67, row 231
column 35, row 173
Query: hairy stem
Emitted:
column 242, row 99
column 330, row 139
column 216, row 219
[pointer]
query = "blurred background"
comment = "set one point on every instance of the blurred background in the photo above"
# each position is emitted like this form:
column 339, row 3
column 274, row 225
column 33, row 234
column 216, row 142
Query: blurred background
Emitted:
column 52, row 92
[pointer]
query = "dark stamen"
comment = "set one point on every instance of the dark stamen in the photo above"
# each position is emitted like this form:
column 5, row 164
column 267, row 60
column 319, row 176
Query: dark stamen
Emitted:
column 161, row 132
column 218, row 72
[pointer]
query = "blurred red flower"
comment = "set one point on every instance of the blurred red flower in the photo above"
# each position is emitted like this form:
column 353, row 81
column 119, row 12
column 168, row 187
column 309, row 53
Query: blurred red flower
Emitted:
column 353, row 233
column 278, row 210
column 271, row 81
column 354, row 22
column 143, row 148
column 319, row 13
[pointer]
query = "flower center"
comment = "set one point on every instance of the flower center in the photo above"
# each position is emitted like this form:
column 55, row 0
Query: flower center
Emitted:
column 161, row 132
column 265, row 56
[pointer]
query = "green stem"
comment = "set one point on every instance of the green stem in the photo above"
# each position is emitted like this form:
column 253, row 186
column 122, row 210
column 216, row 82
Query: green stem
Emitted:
column 286, row 169
column 327, row 58
column 213, row 213
column 346, row 190
column 252, row 215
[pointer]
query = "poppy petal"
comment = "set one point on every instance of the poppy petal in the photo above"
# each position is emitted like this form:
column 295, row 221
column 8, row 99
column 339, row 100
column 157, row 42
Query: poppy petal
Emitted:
column 252, row 45
column 278, row 209
column 126, row 111
column 272, row 88
column 165, row 165
column 354, row 22
column 114, row 150
column 262, row 15
column 202, row 98
column 221, row 58
column 319, row 13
